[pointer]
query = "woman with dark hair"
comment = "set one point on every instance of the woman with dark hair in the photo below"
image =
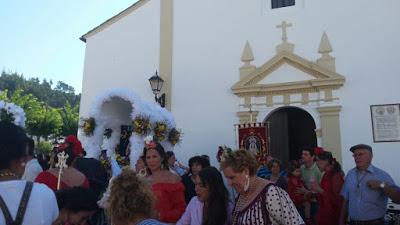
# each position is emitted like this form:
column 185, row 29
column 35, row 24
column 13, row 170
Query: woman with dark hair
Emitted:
column 71, row 177
column 140, row 167
column 260, row 202
column 98, row 179
column 76, row 206
column 211, row 205
column 174, row 165
column 166, row 186
column 274, row 165
column 35, row 203
column 328, row 194
column 196, row 164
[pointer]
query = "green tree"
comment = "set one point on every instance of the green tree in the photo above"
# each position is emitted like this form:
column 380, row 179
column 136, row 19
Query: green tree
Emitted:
column 42, row 90
column 41, row 120
column 11, row 82
column 44, row 147
column 63, row 87
column 70, row 118
column 33, row 109
column 3, row 95
column 50, row 123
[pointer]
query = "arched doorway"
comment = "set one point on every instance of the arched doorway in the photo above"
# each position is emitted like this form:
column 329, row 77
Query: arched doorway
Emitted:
column 117, row 112
column 290, row 130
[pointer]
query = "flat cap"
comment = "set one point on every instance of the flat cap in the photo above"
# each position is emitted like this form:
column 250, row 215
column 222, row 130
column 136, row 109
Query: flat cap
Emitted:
column 361, row 146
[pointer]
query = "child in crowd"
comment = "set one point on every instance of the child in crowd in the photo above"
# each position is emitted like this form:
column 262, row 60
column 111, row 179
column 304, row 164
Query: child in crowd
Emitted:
column 301, row 201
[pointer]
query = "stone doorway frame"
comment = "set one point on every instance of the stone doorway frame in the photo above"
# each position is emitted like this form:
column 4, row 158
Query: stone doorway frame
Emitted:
column 319, row 96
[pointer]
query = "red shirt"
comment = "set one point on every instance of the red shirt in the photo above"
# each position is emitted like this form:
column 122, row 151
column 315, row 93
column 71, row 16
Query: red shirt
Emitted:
column 293, row 184
column 50, row 180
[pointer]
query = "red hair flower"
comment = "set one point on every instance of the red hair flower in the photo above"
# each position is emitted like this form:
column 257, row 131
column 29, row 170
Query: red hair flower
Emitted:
column 318, row 150
column 75, row 144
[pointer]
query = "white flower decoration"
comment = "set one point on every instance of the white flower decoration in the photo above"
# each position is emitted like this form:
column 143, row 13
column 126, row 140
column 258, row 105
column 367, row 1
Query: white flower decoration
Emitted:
column 148, row 139
column 16, row 111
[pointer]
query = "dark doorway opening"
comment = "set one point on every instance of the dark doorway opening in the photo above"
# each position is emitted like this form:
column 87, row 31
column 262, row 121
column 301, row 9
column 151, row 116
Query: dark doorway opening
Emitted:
column 290, row 130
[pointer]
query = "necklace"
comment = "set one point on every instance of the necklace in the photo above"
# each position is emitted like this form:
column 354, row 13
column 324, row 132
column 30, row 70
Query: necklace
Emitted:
column 360, row 178
column 244, row 198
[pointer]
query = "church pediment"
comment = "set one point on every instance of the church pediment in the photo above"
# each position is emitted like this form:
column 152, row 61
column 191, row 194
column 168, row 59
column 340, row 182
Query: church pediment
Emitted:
column 287, row 72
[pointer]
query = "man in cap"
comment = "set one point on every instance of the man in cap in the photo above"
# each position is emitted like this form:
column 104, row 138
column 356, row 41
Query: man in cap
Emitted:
column 363, row 190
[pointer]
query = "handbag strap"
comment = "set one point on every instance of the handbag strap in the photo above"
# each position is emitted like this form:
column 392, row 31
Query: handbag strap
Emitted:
column 6, row 212
column 21, row 208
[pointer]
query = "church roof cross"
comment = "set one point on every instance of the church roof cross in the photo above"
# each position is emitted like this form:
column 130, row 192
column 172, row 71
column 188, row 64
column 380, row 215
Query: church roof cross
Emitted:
column 284, row 25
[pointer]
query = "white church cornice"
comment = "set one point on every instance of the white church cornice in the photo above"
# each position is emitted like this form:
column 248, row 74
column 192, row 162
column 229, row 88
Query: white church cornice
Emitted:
column 113, row 19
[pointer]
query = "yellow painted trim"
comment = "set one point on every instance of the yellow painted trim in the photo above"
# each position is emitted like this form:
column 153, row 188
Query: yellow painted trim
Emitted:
column 247, row 100
column 286, row 99
column 305, row 98
column 269, row 100
column 113, row 19
column 244, row 117
column 330, row 130
column 328, row 95
column 166, row 48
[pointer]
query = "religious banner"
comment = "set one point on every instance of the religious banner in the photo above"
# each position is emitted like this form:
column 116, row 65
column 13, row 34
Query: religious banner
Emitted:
column 253, row 138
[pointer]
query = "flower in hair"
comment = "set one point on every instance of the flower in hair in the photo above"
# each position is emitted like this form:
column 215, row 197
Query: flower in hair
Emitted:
column 73, row 142
column 150, row 144
column 318, row 150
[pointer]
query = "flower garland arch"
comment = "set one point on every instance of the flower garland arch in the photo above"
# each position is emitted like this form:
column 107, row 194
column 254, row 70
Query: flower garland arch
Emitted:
column 12, row 113
column 93, row 141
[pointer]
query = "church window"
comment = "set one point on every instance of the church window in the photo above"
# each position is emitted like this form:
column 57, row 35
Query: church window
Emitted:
column 282, row 3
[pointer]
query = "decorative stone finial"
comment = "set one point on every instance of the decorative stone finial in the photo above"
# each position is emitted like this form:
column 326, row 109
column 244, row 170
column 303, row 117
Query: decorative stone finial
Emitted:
column 247, row 55
column 324, row 46
column 326, row 60
column 285, row 45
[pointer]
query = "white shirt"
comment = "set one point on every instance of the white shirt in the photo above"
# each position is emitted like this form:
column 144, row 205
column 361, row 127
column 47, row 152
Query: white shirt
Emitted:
column 32, row 169
column 42, row 208
column 193, row 214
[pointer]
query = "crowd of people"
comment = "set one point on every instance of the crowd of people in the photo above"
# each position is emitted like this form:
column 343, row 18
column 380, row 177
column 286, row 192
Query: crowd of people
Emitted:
column 160, row 190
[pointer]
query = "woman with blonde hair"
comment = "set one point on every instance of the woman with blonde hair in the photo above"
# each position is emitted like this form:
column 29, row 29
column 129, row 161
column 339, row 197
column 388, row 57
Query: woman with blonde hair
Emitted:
column 259, row 200
column 130, row 201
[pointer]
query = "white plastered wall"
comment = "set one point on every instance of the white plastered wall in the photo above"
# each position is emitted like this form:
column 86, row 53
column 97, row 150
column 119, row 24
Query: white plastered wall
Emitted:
column 123, row 55
column 208, row 39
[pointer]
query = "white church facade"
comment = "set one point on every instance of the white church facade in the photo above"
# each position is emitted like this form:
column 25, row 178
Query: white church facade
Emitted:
column 314, row 70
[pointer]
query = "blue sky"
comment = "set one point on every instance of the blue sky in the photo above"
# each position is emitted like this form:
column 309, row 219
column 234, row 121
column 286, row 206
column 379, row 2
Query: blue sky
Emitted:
column 40, row 38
